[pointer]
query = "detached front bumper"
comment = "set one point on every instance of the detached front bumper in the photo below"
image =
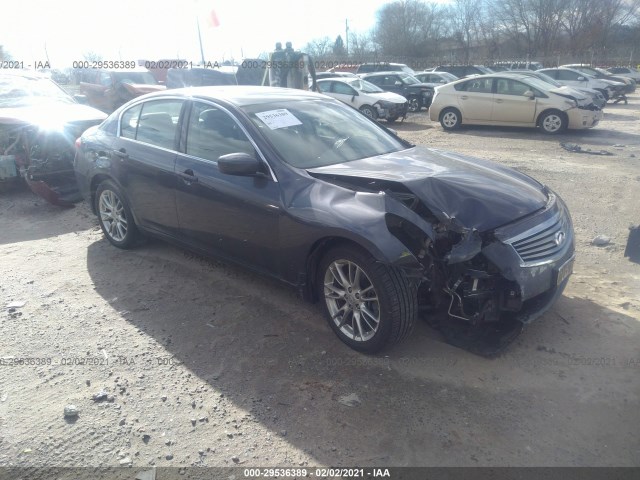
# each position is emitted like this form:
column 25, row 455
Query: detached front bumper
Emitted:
column 393, row 110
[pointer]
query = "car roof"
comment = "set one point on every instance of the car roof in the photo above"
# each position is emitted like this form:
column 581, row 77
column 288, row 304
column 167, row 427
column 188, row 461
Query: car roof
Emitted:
column 388, row 72
column 239, row 95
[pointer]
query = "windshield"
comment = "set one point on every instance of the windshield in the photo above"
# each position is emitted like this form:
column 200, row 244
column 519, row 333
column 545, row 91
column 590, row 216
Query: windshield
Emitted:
column 447, row 76
column 18, row 91
column 315, row 133
column 409, row 79
column 144, row 78
column 364, row 86
column 537, row 83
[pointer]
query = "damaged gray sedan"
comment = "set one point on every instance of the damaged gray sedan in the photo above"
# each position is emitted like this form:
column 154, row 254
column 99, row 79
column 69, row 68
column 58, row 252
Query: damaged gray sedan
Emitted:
column 298, row 186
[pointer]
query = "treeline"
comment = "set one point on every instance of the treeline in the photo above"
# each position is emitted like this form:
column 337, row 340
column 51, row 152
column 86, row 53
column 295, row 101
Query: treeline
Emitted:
column 483, row 31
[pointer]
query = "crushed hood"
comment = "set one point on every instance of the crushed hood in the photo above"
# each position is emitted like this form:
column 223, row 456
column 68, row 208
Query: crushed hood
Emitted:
column 388, row 96
column 142, row 88
column 50, row 113
column 479, row 194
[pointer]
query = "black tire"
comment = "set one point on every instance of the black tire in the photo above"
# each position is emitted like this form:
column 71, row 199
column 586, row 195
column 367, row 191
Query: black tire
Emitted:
column 553, row 122
column 604, row 93
column 115, row 218
column 414, row 104
column 395, row 303
column 392, row 119
column 369, row 112
column 450, row 118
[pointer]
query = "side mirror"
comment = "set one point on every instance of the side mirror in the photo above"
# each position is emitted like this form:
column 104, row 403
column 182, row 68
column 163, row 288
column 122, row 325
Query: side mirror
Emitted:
column 241, row 164
column 398, row 83
column 582, row 79
column 529, row 94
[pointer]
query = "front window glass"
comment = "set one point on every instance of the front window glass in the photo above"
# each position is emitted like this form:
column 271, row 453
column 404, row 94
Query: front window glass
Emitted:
column 409, row 79
column 315, row 133
column 212, row 133
column 364, row 86
column 343, row 89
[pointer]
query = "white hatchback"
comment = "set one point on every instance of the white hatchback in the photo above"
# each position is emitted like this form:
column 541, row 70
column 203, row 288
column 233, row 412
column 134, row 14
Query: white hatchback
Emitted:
column 511, row 100
column 366, row 97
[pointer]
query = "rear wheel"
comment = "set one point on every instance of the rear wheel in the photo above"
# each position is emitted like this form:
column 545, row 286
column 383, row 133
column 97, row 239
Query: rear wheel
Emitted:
column 450, row 119
column 369, row 112
column 553, row 122
column 392, row 119
column 114, row 216
column 368, row 305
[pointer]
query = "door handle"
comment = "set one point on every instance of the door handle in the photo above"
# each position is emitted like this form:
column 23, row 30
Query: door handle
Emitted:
column 499, row 101
column 464, row 97
column 188, row 176
column 122, row 154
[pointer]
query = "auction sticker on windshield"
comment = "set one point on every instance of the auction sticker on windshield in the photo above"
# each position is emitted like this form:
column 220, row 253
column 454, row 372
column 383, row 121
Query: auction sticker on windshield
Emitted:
column 278, row 118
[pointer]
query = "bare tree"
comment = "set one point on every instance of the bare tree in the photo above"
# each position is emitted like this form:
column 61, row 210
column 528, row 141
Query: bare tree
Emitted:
column 319, row 47
column 408, row 27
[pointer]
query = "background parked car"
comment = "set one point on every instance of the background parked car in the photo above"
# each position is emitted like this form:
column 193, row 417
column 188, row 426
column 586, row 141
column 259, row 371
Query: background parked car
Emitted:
column 462, row 71
column 629, row 83
column 517, row 65
column 374, row 102
column 39, row 124
column 435, row 78
column 198, row 77
column 418, row 94
column 305, row 189
column 510, row 100
column 575, row 78
column 383, row 67
column 108, row 89
column 626, row 71
column 596, row 97
column 321, row 75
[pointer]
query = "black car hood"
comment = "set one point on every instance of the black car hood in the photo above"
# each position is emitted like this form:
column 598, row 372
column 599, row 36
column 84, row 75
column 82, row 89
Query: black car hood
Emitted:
column 479, row 194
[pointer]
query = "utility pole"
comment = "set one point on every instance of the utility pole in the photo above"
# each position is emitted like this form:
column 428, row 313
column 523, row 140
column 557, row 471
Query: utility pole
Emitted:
column 200, row 40
column 346, row 32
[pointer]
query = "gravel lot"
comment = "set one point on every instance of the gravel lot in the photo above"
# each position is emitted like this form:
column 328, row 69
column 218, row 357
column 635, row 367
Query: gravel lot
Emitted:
column 208, row 364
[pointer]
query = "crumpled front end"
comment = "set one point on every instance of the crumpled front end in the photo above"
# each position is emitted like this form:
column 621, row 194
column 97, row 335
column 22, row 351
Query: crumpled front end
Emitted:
column 43, row 157
column 480, row 288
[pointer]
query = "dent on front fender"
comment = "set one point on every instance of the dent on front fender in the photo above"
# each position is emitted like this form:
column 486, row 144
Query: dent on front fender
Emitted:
column 360, row 217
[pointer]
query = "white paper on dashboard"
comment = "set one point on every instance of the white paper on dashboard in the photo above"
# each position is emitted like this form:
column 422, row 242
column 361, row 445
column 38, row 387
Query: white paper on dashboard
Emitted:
column 278, row 118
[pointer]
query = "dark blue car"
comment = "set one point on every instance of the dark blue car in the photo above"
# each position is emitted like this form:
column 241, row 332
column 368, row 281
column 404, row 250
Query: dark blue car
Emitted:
column 300, row 187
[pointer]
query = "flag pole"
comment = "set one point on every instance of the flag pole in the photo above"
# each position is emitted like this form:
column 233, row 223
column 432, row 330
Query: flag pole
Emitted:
column 200, row 40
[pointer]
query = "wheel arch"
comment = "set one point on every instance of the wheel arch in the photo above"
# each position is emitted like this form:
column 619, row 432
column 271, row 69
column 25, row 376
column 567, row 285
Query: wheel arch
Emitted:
column 96, row 180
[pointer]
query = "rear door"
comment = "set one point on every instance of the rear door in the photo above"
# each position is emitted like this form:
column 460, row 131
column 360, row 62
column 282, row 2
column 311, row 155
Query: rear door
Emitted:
column 145, row 155
column 227, row 215
column 475, row 98
column 510, row 103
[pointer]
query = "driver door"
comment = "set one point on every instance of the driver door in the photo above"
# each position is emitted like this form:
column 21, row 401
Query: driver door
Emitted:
column 511, row 105
column 232, row 216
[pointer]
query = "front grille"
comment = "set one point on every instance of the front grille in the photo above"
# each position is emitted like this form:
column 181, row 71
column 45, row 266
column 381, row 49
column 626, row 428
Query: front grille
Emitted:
column 543, row 242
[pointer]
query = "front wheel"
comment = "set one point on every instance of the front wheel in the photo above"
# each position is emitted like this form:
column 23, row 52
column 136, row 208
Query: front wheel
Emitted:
column 369, row 112
column 368, row 305
column 414, row 104
column 114, row 216
column 553, row 122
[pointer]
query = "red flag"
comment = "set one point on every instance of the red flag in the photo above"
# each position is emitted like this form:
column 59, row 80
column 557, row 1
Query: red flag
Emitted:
column 212, row 19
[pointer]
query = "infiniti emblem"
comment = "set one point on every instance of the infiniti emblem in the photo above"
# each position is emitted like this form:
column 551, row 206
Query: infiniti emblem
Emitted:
column 559, row 238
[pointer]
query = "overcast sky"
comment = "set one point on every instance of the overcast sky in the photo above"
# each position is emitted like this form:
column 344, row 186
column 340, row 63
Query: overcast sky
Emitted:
column 153, row 29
